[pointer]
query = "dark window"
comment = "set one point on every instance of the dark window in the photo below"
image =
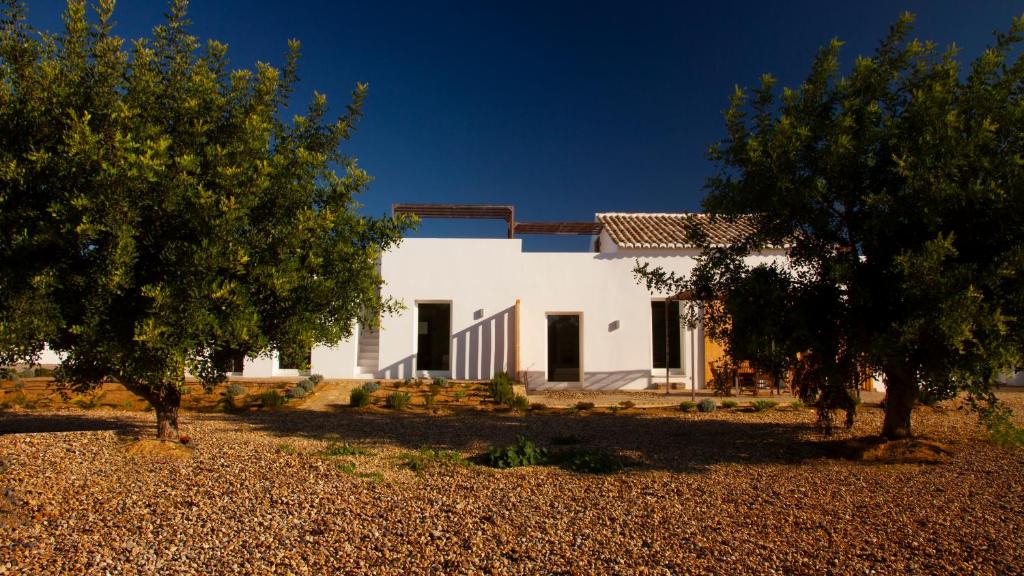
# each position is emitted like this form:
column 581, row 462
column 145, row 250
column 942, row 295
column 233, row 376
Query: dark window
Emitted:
column 658, row 334
column 564, row 348
column 229, row 360
column 434, row 337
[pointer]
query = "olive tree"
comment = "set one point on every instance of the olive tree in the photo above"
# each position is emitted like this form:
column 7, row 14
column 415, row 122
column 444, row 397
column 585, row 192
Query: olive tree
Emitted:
column 158, row 208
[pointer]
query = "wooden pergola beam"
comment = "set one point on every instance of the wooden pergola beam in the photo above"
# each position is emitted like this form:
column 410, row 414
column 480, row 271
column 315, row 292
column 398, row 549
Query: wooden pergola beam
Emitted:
column 571, row 228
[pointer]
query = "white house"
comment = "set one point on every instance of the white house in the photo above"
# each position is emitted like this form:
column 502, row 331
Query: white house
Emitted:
column 475, row 307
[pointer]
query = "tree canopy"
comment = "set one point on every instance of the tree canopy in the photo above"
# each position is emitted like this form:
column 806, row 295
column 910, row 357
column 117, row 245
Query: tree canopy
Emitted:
column 157, row 208
column 897, row 189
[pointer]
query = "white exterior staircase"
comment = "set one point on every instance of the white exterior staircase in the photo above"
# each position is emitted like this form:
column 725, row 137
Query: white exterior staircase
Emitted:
column 368, row 353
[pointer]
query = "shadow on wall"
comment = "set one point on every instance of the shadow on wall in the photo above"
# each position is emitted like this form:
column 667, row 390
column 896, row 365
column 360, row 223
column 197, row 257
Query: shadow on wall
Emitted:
column 404, row 368
column 485, row 348
column 596, row 381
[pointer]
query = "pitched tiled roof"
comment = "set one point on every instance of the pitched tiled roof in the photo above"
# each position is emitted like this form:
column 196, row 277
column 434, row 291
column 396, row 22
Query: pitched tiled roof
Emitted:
column 667, row 230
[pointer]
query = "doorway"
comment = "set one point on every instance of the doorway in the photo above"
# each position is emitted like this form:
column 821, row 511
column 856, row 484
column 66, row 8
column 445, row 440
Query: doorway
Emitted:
column 564, row 348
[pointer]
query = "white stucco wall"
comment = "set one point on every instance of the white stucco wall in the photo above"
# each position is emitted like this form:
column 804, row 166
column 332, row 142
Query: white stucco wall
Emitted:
column 483, row 278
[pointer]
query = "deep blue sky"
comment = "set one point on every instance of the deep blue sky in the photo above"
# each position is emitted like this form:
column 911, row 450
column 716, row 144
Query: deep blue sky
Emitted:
column 560, row 108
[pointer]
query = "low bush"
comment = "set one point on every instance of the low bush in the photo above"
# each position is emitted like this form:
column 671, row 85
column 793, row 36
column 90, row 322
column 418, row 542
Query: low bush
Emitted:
column 582, row 406
column 797, row 405
column 501, row 388
column 459, row 395
column 85, row 402
column 346, row 467
column 407, row 383
column 430, row 400
column 729, row 404
column 522, row 453
column 707, row 405
column 297, row 392
column 315, row 378
column 520, row 403
column 998, row 420
column 359, row 397
column 425, row 458
column 397, row 400
column 272, row 399
column 588, row 462
column 538, row 406
column 335, row 449
column 43, row 372
column 371, row 387
column 627, row 404
column 307, row 384
column 687, row 406
column 235, row 389
column 442, row 382
column 762, row 405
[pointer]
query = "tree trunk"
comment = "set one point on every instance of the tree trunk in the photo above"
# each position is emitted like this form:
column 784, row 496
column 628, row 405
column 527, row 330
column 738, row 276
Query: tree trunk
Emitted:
column 166, row 402
column 901, row 394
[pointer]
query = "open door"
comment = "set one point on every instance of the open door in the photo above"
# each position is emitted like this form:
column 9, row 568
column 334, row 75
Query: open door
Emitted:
column 564, row 348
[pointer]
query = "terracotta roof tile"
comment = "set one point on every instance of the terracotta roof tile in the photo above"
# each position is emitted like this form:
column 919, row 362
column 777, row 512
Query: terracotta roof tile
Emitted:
column 667, row 230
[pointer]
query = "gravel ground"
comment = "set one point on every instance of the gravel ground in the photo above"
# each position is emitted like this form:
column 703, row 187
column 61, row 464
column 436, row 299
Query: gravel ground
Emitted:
column 728, row 492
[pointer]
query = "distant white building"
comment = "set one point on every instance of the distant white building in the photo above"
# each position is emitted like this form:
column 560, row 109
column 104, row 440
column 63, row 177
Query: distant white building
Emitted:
column 475, row 307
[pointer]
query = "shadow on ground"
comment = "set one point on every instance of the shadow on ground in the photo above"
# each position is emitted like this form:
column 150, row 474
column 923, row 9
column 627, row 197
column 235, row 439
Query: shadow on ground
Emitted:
column 35, row 423
column 654, row 441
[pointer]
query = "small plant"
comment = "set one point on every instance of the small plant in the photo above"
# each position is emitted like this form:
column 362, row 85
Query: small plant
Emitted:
column 271, row 399
column 729, row 404
column 425, row 458
column 235, row 389
column 19, row 385
column 43, row 372
column 407, row 383
column 371, row 387
column 762, row 405
column 538, row 406
column 315, row 378
column 285, row 448
column 501, row 388
column 459, row 395
column 588, row 462
column 345, row 467
column 707, row 405
column 430, row 400
column 522, row 453
column 797, row 405
column 687, row 406
column 359, row 397
column 397, row 400
column 441, row 382
column 997, row 419
column 583, row 406
column 85, row 402
column 307, row 384
column 335, row 449
column 520, row 403
column 627, row 404
column 614, row 409
column 297, row 392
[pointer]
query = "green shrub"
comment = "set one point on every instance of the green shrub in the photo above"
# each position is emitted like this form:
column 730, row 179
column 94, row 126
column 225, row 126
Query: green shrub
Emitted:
column 687, row 406
column 430, row 400
column 459, row 395
column 729, row 404
column 43, row 372
column 442, row 382
column 520, row 403
column 371, row 387
column 235, row 389
column 315, row 378
column 297, row 392
column 335, row 449
column 346, row 467
column 359, row 397
column 998, row 420
column 271, row 399
column 425, row 458
column 285, row 448
column 582, row 406
column 501, row 388
column 397, row 400
column 407, row 383
column 707, row 405
column 307, row 384
column 627, row 404
column 797, row 405
column 522, row 453
column 762, row 405
column 85, row 402
column 588, row 462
